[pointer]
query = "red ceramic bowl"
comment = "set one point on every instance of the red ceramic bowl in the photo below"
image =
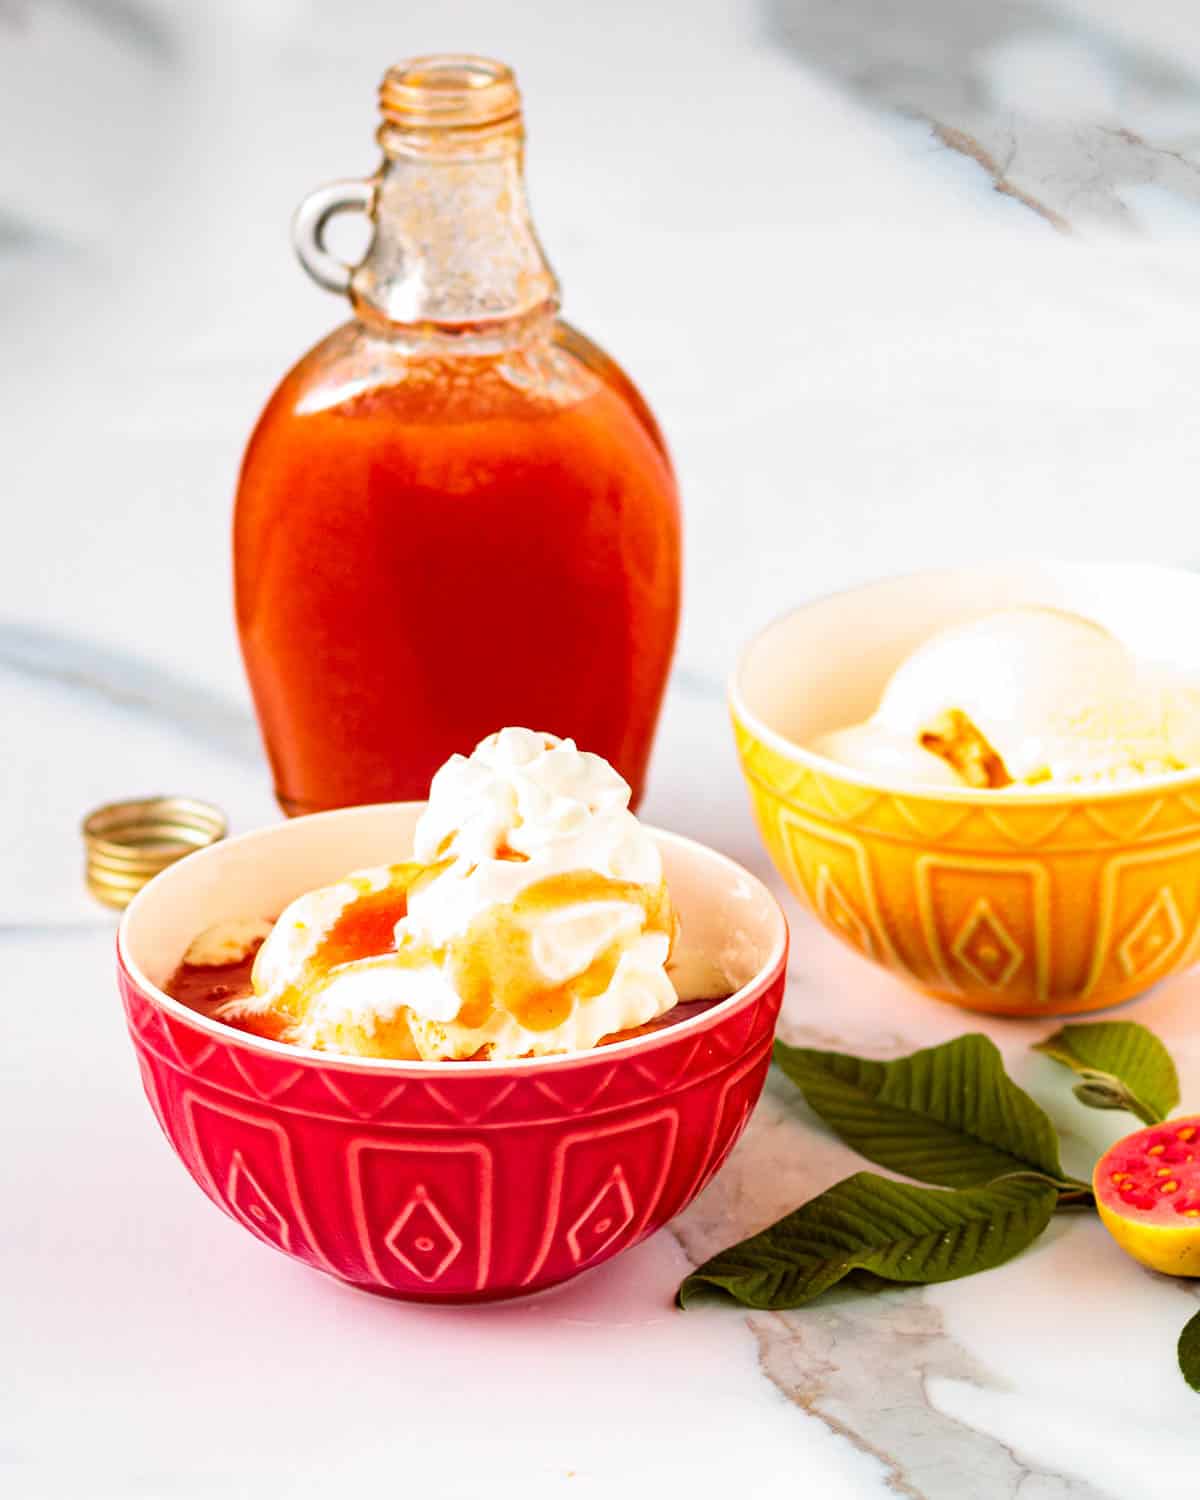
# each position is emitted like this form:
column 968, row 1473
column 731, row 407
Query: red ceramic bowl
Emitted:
column 445, row 1181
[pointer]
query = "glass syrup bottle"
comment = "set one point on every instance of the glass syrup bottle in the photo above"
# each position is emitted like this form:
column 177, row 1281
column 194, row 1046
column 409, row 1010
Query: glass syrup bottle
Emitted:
column 456, row 512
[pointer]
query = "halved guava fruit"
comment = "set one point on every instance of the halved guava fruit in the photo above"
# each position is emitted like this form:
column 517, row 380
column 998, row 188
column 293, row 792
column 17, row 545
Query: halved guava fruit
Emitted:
column 1147, row 1190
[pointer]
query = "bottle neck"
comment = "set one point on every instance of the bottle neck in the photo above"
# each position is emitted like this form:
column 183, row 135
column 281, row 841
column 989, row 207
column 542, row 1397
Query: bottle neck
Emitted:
column 454, row 253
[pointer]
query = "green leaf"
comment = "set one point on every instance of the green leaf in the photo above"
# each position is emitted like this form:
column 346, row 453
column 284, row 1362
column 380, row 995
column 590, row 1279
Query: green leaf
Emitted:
column 870, row 1228
column 1122, row 1065
column 949, row 1115
column 1099, row 1095
column 1189, row 1352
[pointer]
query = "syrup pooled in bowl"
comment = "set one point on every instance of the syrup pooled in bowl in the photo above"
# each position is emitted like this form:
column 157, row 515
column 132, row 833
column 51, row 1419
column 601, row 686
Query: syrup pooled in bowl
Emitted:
column 209, row 988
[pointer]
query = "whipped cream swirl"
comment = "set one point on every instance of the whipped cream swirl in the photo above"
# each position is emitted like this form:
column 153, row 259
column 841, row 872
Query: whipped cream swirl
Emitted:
column 537, row 919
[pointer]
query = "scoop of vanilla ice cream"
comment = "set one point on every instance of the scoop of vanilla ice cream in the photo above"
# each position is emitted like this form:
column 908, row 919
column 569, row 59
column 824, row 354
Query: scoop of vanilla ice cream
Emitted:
column 1178, row 700
column 537, row 920
column 1055, row 696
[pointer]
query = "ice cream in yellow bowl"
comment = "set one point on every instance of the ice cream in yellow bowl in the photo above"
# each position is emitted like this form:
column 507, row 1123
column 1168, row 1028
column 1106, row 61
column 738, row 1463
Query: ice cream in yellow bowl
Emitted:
column 1026, row 696
column 987, row 780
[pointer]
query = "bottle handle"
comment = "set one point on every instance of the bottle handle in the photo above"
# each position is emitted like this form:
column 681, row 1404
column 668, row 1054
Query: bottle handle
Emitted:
column 308, row 229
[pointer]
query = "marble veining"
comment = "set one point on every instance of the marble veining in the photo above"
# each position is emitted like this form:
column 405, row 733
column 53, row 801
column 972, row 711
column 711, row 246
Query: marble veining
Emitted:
column 142, row 28
column 1066, row 118
column 864, row 1370
column 132, row 683
column 860, row 1362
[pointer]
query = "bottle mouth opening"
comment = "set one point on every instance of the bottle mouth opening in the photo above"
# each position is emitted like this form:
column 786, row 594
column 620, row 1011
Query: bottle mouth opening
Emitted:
column 449, row 91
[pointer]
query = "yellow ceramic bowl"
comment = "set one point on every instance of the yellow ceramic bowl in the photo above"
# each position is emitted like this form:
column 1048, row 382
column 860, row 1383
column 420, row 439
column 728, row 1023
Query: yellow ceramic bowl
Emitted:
column 1022, row 903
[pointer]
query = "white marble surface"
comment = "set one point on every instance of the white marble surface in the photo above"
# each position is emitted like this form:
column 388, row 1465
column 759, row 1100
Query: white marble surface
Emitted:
column 783, row 218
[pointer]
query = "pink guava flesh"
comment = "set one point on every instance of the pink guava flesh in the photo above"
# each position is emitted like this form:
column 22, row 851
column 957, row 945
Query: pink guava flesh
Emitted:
column 1154, row 1175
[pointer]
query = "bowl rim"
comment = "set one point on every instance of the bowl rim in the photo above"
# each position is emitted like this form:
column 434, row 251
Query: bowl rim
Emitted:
column 983, row 797
column 742, row 998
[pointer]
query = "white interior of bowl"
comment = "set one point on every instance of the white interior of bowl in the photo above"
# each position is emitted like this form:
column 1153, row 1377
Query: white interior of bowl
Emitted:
column 724, row 911
column 825, row 665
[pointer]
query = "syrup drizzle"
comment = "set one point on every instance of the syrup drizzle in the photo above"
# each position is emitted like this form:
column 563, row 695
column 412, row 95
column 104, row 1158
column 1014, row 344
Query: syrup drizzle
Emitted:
column 491, row 965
